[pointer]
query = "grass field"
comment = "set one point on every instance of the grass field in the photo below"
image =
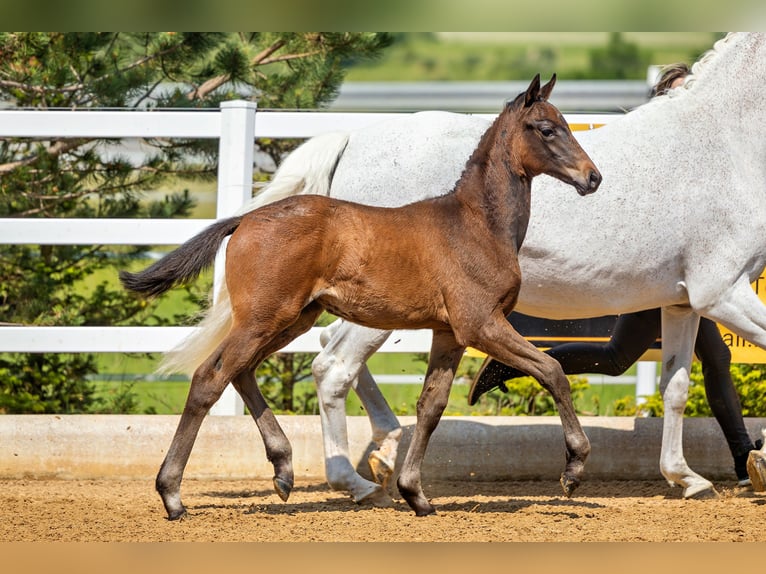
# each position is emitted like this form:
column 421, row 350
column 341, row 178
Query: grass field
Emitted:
column 458, row 56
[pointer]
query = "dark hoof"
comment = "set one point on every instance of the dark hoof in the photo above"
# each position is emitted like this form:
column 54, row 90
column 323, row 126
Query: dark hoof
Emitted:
column 416, row 499
column 491, row 375
column 283, row 488
column 431, row 511
column 179, row 516
column 569, row 484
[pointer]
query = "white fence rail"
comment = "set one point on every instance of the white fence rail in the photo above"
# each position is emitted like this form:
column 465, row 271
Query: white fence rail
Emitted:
column 236, row 124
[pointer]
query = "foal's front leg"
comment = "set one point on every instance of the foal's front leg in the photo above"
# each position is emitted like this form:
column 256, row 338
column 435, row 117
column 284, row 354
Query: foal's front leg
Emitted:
column 445, row 357
column 501, row 341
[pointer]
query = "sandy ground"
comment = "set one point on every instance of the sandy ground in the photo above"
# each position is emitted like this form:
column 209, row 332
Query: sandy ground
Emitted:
column 242, row 511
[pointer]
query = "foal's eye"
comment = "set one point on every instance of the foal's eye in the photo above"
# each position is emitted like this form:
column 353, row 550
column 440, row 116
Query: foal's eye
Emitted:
column 547, row 132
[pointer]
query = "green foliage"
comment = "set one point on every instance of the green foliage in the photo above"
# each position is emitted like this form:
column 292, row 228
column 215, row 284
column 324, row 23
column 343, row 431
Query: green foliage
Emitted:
column 49, row 284
column 525, row 397
column 619, row 59
column 278, row 377
column 749, row 381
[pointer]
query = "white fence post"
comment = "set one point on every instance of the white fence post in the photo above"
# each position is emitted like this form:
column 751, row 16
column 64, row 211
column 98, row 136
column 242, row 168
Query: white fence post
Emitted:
column 235, row 187
column 646, row 380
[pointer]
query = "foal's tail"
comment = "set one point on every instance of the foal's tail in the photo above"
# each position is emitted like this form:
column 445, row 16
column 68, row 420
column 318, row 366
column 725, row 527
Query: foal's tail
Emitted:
column 307, row 170
column 184, row 264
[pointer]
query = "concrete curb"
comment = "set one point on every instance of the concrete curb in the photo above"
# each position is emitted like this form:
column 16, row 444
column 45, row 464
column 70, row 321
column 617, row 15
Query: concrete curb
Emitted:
column 462, row 448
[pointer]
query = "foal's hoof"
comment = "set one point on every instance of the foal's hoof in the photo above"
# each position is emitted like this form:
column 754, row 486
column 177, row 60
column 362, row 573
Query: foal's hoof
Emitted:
column 706, row 493
column 178, row 515
column 378, row 498
column 756, row 469
column 426, row 511
column 380, row 469
column 283, row 488
column 569, row 484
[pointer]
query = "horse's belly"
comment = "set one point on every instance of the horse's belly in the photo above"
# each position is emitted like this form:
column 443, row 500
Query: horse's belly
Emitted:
column 564, row 296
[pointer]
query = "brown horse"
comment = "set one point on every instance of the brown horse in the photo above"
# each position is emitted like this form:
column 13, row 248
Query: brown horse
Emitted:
column 448, row 264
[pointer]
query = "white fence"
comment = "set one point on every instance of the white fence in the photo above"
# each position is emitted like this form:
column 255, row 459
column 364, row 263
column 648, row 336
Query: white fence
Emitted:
column 236, row 124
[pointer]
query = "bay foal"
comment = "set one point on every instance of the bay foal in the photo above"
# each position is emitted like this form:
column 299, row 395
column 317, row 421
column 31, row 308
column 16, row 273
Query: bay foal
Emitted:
column 448, row 264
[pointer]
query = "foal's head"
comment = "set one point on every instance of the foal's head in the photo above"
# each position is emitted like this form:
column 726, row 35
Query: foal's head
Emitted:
column 545, row 143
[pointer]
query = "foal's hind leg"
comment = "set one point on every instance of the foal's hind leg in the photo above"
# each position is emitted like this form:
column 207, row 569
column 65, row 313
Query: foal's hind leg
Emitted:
column 242, row 350
column 207, row 384
column 445, row 357
column 501, row 341
column 341, row 364
column 278, row 449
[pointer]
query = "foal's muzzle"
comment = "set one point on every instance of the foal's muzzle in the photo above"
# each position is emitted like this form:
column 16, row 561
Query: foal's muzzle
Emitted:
column 591, row 185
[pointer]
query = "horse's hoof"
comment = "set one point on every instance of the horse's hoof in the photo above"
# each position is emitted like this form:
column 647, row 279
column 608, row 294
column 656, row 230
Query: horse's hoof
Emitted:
column 283, row 488
column 378, row 498
column 569, row 484
column 704, row 493
column 380, row 469
column 425, row 511
column 756, row 470
column 178, row 515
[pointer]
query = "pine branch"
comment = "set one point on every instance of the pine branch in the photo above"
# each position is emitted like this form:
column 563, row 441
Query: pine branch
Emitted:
column 212, row 84
column 58, row 148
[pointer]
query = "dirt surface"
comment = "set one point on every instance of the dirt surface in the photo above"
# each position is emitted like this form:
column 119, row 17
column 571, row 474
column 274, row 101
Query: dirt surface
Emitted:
column 124, row 511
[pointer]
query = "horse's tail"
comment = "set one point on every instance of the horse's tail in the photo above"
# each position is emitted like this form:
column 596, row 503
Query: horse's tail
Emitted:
column 183, row 264
column 190, row 352
column 307, row 170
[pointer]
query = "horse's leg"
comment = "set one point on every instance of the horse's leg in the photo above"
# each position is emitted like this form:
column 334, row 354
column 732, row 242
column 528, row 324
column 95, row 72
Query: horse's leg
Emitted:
column 386, row 430
column 278, row 449
column 346, row 348
column 679, row 330
column 242, row 350
column 500, row 340
column 741, row 311
column 445, row 357
column 756, row 466
column 208, row 382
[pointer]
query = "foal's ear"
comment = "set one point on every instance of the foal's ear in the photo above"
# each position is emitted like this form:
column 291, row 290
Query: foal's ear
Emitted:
column 533, row 92
column 545, row 91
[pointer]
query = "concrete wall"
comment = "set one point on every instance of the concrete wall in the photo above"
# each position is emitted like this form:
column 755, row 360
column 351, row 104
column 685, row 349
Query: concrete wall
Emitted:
column 462, row 448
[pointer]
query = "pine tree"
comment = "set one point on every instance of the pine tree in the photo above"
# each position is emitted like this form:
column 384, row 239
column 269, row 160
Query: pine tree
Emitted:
column 42, row 284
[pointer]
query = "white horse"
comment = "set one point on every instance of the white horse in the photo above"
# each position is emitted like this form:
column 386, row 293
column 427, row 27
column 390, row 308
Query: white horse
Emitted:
column 678, row 224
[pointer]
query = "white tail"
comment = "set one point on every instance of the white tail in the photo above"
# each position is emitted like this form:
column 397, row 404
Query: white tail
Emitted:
column 307, row 170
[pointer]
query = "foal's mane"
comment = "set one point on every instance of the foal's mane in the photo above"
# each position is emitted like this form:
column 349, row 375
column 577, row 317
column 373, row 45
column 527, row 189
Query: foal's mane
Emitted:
column 480, row 155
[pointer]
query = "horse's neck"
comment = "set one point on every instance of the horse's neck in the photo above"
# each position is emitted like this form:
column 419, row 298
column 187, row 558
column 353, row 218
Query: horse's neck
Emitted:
column 493, row 191
column 726, row 89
